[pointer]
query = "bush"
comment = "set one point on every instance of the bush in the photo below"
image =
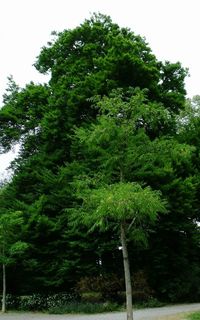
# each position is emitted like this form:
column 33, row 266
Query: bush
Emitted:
column 88, row 308
column 12, row 302
column 104, row 287
column 60, row 299
column 141, row 290
column 151, row 303
column 35, row 302
column 39, row 302
column 111, row 288
column 92, row 297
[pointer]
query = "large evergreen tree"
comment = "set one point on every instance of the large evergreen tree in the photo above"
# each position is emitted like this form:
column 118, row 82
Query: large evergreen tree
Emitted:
column 92, row 60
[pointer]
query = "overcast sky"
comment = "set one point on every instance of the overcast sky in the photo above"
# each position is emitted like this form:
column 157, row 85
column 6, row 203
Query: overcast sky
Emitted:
column 171, row 27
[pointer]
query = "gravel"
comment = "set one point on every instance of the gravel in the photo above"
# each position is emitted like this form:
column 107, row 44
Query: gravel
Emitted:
column 143, row 314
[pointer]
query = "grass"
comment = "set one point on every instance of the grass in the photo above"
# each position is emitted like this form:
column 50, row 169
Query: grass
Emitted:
column 174, row 317
column 194, row 316
column 182, row 316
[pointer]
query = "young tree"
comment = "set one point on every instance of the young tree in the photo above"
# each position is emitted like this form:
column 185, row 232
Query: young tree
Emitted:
column 129, row 208
column 113, row 143
column 11, row 247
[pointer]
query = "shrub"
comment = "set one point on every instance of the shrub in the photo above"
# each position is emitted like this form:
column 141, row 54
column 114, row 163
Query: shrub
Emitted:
column 60, row 299
column 141, row 290
column 107, row 286
column 35, row 302
column 39, row 302
column 151, row 303
column 111, row 288
column 93, row 297
column 89, row 308
column 12, row 302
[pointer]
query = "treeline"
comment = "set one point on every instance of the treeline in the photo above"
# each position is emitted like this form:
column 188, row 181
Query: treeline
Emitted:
column 110, row 112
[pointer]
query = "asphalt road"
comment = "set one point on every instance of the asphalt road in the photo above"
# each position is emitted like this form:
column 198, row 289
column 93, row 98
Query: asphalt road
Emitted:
column 143, row 314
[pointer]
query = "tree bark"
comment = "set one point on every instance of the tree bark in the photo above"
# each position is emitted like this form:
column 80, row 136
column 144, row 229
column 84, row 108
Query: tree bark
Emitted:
column 129, row 304
column 4, row 290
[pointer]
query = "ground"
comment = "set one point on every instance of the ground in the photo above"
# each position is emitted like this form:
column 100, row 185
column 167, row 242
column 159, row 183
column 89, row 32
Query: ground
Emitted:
column 176, row 312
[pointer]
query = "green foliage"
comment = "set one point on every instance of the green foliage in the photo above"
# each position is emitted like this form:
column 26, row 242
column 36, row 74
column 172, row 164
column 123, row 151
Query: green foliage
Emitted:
column 91, row 297
column 23, row 111
column 12, row 302
column 58, row 304
column 110, row 112
column 92, row 59
column 11, row 225
column 88, row 308
column 112, row 143
column 108, row 288
column 151, row 303
column 123, row 139
column 41, row 302
column 120, row 202
column 124, row 204
column 141, row 290
column 36, row 302
column 175, row 248
column 194, row 316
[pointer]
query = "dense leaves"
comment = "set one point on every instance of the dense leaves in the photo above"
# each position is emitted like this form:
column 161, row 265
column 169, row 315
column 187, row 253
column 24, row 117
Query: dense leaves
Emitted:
column 112, row 117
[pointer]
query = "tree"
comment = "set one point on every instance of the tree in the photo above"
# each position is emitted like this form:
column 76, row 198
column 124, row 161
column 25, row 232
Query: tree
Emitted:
column 11, row 246
column 173, row 254
column 125, row 206
column 92, row 59
column 112, row 143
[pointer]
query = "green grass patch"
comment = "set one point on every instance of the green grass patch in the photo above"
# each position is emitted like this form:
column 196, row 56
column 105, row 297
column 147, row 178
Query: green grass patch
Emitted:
column 89, row 308
column 194, row 316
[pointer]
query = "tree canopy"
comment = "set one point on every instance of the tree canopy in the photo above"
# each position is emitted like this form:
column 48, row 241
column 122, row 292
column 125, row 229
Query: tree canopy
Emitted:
column 111, row 116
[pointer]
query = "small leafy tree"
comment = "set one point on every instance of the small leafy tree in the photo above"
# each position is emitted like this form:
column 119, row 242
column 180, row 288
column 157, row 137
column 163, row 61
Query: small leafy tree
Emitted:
column 113, row 147
column 127, row 206
column 10, row 244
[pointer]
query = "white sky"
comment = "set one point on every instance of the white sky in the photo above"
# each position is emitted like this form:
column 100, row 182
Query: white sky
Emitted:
column 171, row 27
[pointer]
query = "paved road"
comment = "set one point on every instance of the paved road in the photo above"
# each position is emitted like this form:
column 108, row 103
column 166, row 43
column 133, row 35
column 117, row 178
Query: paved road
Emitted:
column 144, row 314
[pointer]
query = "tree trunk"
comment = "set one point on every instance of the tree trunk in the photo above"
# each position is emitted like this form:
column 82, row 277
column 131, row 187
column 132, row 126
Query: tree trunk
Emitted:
column 129, row 305
column 4, row 290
